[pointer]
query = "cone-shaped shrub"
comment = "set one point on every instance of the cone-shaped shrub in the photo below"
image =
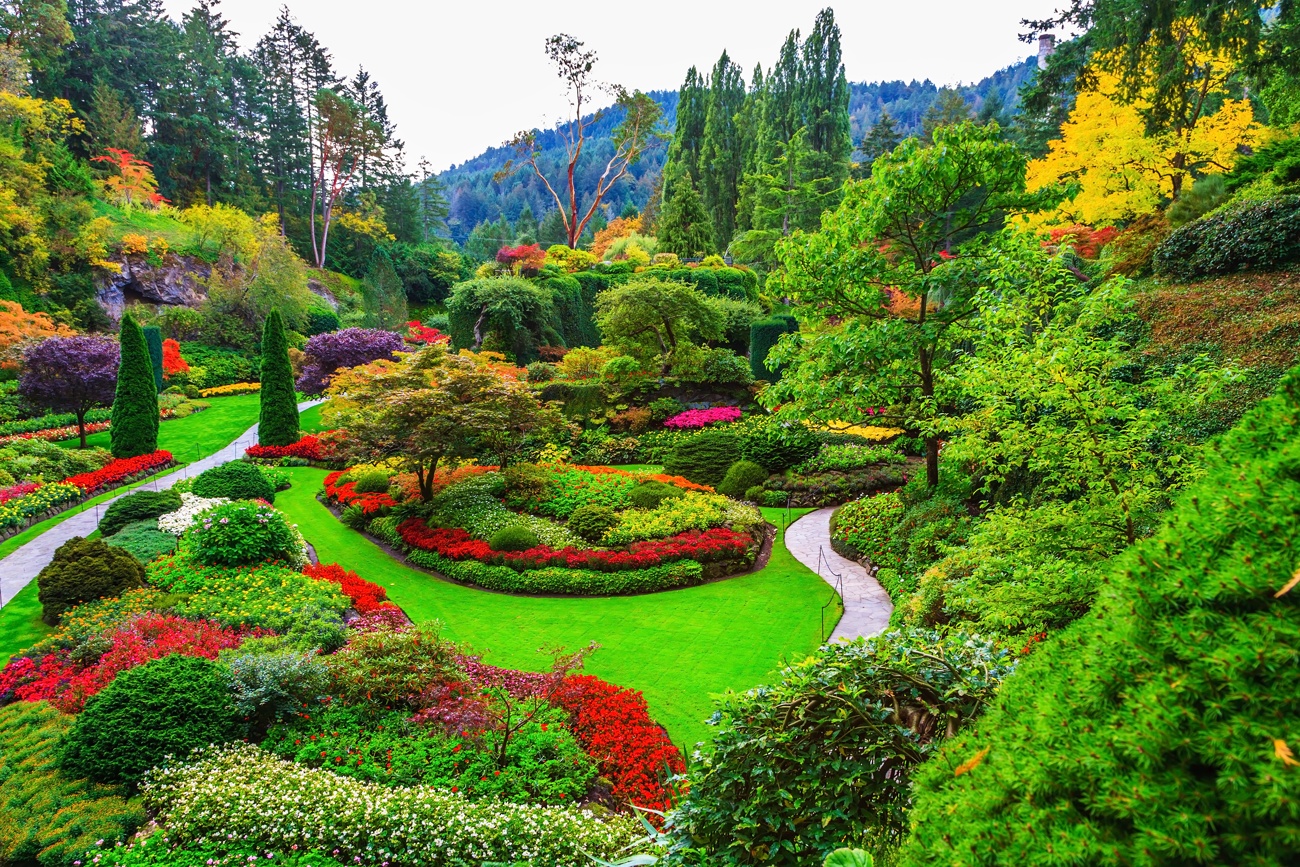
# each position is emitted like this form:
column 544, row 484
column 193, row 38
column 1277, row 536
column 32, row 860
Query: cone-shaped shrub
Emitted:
column 154, row 340
column 135, row 403
column 1161, row 728
column 278, row 423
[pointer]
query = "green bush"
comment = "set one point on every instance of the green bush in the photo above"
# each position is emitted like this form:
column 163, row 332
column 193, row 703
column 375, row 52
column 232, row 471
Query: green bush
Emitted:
column 774, row 499
column 516, row 537
column 1252, row 234
column 144, row 541
column 558, row 580
column 135, row 507
column 236, row 480
column 777, row 446
column 165, row 707
column 1160, row 728
column 648, row 495
column 824, row 757
column 741, row 476
column 83, row 570
column 154, row 340
column 371, row 482
column 241, row 534
column 705, row 457
column 134, row 430
column 540, row 371
column 591, row 521
column 763, row 335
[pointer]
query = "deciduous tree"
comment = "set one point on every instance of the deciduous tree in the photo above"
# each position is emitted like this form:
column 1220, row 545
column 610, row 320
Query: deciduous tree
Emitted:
column 70, row 374
column 654, row 319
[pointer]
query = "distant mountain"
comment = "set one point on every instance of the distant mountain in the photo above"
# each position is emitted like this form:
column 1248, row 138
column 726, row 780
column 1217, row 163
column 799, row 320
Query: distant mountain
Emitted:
column 474, row 196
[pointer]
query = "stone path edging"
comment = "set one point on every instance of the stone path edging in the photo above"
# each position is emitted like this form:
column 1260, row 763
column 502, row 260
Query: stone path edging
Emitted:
column 866, row 604
column 21, row 567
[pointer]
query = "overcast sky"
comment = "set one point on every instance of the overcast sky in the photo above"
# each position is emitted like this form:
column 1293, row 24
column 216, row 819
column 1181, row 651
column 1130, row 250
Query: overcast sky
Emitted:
column 462, row 76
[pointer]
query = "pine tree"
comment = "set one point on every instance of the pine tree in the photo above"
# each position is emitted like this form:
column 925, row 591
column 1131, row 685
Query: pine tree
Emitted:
column 684, row 226
column 154, row 340
column 692, row 106
column 882, row 138
column 134, row 429
column 278, row 421
column 384, row 298
column 949, row 109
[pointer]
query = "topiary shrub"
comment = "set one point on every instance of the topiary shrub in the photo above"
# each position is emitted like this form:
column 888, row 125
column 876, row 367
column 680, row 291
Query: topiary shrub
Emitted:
column 778, row 447
column 763, row 335
column 144, row 541
column 139, row 506
column 851, row 722
column 278, row 419
column 591, row 521
column 742, row 476
column 516, row 537
column 648, row 495
column 1160, row 729
column 371, row 482
column 165, row 707
column 134, row 431
column 705, row 457
column 241, row 534
column 237, row 480
column 83, row 570
column 1252, row 234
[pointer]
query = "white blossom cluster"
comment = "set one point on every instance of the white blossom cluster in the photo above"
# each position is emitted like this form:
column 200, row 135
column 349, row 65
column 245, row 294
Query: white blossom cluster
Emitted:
column 192, row 506
column 239, row 795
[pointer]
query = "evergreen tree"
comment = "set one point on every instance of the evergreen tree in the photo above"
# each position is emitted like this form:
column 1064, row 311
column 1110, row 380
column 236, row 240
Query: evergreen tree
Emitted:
column 949, row 109
column 134, row 429
column 278, row 421
column 551, row 230
column 824, row 93
column 434, row 208
column 692, row 108
column 684, row 226
column 721, row 152
column 153, row 339
column 384, row 296
column 993, row 109
column 882, row 138
column 526, row 227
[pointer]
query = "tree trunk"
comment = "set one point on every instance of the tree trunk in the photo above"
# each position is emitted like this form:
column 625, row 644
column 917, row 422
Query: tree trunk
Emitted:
column 931, row 441
column 81, row 427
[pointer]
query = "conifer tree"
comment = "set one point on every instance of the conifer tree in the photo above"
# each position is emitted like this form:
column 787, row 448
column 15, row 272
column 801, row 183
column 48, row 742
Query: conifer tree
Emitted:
column 384, row 298
column 684, row 227
column 134, row 428
column 153, row 339
column 278, row 421
column 882, row 138
column 722, row 152
column 692, row 106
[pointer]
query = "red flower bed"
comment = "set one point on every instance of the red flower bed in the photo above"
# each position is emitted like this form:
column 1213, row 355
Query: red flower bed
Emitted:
column 614, row 726
column 54, row 434
column 67, row 684
column 346, row 495
column 120, row 471
column 367, row 597
column 308, row 448
column 418, row 332
column 455, row 543
column 21, row 489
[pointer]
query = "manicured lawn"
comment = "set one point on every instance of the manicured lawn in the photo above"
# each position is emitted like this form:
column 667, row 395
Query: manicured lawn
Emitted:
column 679, row 648
column 20, row 623
column 309, row 420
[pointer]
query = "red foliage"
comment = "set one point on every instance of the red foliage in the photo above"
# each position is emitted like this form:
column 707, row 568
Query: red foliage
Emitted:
column 1085, row 240
column 552, row 353
column 419, row 333
column 711, row 545
column 367, row 597
column 613, row 725
column 310, row 448
column 173, row 363
column 120, row 471
column 346, row 495
column 67, row 684
column 527, row 258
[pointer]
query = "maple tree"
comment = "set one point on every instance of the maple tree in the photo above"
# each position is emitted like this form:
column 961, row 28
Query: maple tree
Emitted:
column 134, row 184
column 619, row 227
column 173, row 362
column 18, row 326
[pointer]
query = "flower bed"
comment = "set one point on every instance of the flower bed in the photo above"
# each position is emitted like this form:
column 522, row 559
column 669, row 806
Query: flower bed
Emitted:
column 52, row 421
column 698, row 418
column 345, row 494
column 863, row 528
column 456, row 544
column 232, row 389
column 55, row 434
column 268, row 596
column 309, row 448
column 21, row 489
column 121, row 471
column 20, row 512
column 367, row 597
column 192, row 506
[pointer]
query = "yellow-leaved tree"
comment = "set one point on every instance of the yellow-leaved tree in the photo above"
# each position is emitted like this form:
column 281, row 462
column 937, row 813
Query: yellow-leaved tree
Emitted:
column 1121, row 166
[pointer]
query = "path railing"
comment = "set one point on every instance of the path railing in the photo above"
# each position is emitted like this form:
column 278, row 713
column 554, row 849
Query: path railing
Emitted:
column 837, row 585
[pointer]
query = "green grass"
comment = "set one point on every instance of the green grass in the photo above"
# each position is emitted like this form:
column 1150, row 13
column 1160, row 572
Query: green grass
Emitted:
column 309, row 420
column 680, row 648
column 142, row 221
column 20, row 623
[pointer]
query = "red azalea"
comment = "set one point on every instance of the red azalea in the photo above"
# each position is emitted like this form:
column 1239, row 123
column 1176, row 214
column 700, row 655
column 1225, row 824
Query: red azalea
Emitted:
column 308, row 448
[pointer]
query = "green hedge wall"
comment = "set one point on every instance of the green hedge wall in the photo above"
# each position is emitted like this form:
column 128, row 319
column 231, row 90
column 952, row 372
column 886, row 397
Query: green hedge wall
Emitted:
column 763, row 335
column 1253, row 234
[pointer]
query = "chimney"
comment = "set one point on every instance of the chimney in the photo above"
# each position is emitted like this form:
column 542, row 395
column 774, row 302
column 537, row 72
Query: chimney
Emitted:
column 1046, row 47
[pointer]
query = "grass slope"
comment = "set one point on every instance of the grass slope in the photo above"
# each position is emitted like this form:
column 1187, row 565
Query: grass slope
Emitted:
column 679, row 648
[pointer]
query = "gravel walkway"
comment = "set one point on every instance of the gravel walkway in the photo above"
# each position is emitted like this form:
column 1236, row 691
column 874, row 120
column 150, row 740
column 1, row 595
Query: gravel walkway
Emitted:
column 19, row 568
column 866, row 604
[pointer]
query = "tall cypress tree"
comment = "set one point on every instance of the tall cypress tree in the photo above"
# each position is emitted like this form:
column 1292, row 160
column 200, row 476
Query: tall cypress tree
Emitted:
column 722, row 152
column 134, row 429
column 684, row 228
column 278, row 422
column 153, row 339
column 684, row 151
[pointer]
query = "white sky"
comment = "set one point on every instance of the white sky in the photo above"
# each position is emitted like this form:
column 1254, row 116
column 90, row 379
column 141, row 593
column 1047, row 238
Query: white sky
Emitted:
column 460, row 77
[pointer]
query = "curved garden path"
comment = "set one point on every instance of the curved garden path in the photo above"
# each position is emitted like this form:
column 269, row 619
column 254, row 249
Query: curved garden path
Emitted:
column 19, row 568
column 866, row 604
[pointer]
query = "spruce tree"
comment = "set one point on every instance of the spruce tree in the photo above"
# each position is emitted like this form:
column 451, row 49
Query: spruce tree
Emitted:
column 684, row 227
column 134, row 429
column 153, row 339
column 278, row 422
column 722, row 151
column 882, row 139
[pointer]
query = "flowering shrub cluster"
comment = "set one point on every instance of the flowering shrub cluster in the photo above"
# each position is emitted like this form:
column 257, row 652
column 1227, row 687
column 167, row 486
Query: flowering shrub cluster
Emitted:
column 698, row 418
column 309, row 448
column 613, row 725
column 121, row 471
column 232, row 389
column 418, row 332
column 864, row 527
column 21, row 489
column 268, row 596
column 192, row 506
column 367, row 597
column 242, row 533
column 67, row 683
column 22, row 510
column 345, row 494
column 54, row 434
column 456, row 544
column 694, row 511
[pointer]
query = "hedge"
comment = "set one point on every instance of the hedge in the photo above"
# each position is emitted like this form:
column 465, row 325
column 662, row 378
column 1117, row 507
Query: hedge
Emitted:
column 763, row 335
column 154, row 340
column 1252, row 234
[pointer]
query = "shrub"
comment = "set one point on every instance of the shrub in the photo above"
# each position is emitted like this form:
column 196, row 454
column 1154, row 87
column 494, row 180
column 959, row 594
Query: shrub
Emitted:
column 706, row 457
column 540, row 371
column 370, row 482
column 864, row 529
column 1252, row 234
column 271, row 687
column 763, row 335
column 236, row 480
column 590, row 522
column 513, row 538
column 144, row 541
column 83, row 570
column 777, row 446
column 851, row 721
column 239, row 534
column 742, row 476
column 1158, row 728
column 138, row 506
column 648, row 495
column 391, row 667
column 169, row 706
column 563, row 580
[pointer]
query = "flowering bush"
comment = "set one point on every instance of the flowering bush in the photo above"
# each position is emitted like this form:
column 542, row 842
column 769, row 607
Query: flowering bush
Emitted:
column 366, row 596
column 269, row 596
column 309, row 448
column 232, row 389
column 346, row 494
column 864, row 527
column 694, row 511
column 192, row 507
column 456, row 544
column 239, row 795
column 418, row 332
column 241, row 533
column 526, row 259
column 698, row 418
column 121, row 471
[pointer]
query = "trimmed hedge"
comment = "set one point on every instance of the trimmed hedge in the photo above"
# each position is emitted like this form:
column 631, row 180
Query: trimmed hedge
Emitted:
column 139, row 506
column 705, row 457
column 742, row 476
column 154, row 340
column 83, row 570
column 763, row 335
column 575, row 309
column 236, row 480
column 1252, row 234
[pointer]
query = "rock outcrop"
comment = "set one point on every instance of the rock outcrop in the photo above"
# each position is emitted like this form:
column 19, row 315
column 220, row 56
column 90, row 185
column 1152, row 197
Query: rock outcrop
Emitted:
column 177, row 281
